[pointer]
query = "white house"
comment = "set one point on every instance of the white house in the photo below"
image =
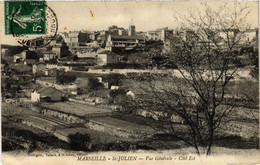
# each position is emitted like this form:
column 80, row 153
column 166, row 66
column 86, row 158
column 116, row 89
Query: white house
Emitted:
column 35, row 96
column 114, row 87
column 131, row 94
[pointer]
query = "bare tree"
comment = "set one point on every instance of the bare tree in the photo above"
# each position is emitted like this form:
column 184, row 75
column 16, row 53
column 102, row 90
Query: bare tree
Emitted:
column 197, row 93
column 203, row 56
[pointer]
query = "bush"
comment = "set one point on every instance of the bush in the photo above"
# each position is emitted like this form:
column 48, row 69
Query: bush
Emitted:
column 80, row 142
column 94, row 83
column 114, row 79
column 249, row 92
column 117, row 92
column 66, row 78
column 116, row 146
column 254, row 73
column 21, row 69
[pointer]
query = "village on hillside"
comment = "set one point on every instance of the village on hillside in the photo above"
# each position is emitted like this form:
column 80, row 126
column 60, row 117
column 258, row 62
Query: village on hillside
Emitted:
column 111, row 90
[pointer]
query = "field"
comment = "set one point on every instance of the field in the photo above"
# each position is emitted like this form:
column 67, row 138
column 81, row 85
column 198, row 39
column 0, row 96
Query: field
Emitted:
column 17, row 135
column 240, row 130
column 75, row 108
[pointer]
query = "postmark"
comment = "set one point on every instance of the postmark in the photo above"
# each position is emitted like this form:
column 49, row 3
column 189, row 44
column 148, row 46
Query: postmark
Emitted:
column 32, row 23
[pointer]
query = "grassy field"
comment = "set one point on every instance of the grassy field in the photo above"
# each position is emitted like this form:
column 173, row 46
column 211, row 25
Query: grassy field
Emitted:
column 74, row 108
column 15, row 133
column 125, row 125
column 234, row 137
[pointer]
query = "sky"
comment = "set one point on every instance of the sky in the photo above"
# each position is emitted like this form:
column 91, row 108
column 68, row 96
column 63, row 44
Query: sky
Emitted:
column 144, row 15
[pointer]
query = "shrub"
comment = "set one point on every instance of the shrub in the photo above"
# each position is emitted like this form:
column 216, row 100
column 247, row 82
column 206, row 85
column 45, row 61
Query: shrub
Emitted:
column 114, row 79
column 94, row 83
column 80, row 142
column 117, row 92
column 115, row 146
column 66, row 78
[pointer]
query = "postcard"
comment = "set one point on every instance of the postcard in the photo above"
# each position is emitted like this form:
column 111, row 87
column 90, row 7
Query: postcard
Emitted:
column 129, row 82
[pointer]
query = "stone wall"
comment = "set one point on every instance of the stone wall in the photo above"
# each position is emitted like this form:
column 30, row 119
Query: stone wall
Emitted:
column 113, row 130
column 156, row 115
column 46, row 128
column 110, row 130
column 37, row 125
column 60, row 115
column 81, row 101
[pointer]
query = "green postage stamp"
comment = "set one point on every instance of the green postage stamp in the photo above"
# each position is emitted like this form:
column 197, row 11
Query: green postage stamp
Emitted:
column 25, row 17
column 32, row 23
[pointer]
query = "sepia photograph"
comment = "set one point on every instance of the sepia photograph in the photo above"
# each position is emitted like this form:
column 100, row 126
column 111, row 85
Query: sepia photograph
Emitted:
column 129, row 82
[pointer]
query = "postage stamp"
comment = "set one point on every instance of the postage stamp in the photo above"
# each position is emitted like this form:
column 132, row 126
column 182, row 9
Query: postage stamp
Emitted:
column 25, row 17
column 32, row 23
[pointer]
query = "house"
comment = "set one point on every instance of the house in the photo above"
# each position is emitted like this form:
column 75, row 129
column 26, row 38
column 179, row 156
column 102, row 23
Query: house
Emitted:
column 24, row 55
column 159, row 34
column 17, row 58
column 46, row 81
column 131, row 31
column 48, row 56
column 130, row 94
column 72, row 89
column 30, row 62
column 107, row 58
column 41, row 59
column 76, row 38
column 22, row 78
column 124, row 42
column 47, row 94
column 40, row 51
column 118, row 30
column 60, row 50
column 102, row 39
column 53, row 72
column 59, row 67
column 38, row 68
column 5, row 52
column 114, row 87
column 249, row 36
column 86, row 54
column 93, row 35
column 114, row 29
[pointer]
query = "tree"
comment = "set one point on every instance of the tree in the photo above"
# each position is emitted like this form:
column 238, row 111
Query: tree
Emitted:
column 114, row 79
column 94, row 83
column 203, row 58
column 202, row 51
column 66, row 78
column 21, row 69
column 254, row 60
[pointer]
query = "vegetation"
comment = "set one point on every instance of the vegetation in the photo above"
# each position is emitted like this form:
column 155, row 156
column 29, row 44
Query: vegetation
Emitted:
column 94, row 83
column 200, row 99
column 66, row 77
column 14, row 49
column 114, row 79
column 204, row 63
column 21, row 69
column 124, row 65
column 80, row 142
